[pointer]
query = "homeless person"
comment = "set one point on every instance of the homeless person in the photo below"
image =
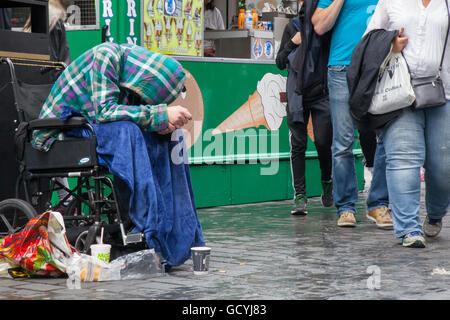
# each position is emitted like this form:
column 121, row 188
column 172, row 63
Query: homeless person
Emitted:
column 124, row 92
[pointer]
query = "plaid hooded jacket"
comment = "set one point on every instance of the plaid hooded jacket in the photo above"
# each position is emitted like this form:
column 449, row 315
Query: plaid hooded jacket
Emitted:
column 100, row 85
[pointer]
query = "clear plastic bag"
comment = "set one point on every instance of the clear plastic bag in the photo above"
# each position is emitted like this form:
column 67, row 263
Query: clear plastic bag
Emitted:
column 137, row 265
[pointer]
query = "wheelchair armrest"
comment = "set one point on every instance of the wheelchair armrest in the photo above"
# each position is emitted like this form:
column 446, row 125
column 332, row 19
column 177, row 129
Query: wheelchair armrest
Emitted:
column 56, row 123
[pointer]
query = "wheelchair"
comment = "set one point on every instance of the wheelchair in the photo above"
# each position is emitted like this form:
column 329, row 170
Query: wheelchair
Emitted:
column 94, row 203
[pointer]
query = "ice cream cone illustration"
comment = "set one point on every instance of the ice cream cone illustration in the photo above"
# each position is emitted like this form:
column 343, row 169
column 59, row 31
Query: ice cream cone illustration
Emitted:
column 197, row 18
column 310, row 129
column 192, row 100
column 198, row 42
column 148, row 35
column 180, row 29
column 150, row 8
column 262, row 108
column 159, row 7
column 250, row 114
column 179, row 8
column 189, row 35
column 158, row 31
column 168, row 28
column 188, row 10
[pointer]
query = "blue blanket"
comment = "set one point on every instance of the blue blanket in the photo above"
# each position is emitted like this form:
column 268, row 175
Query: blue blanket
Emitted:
column 155, row 169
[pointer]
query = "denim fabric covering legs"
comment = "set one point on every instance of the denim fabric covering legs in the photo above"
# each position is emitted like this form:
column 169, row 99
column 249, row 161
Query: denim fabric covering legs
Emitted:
column 345, row 187
column 161, row 201
column 416, row 138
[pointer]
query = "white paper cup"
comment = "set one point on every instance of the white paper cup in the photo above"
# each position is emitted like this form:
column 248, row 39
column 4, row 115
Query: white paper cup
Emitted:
column 101, row 251
column 200, row 258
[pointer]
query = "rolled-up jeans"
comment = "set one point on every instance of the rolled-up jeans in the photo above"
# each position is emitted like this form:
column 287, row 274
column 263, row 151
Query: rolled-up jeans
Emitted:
column 345, row 185
column 418, row 138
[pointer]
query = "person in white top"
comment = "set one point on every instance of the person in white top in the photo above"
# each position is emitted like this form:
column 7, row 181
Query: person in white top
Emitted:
column 418, row 137
column 212, row 20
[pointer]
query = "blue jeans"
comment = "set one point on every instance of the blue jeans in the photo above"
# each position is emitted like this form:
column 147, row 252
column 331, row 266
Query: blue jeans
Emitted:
column 418, row 138
column 345, row 185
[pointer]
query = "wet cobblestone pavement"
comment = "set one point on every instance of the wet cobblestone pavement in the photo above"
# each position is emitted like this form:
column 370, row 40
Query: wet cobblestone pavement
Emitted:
column 260, row 251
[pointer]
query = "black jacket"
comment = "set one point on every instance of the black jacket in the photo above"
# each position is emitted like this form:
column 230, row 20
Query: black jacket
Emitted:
column 362, row 76
column 284, row 60
column 5, row 18
column 311, row 59
column 59, row 47
column 286, row 45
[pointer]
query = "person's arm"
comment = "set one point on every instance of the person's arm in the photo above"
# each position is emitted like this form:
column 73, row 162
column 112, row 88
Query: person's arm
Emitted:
column 380, row 20
column 105, row 95
column 324, row 19
column 289, row 41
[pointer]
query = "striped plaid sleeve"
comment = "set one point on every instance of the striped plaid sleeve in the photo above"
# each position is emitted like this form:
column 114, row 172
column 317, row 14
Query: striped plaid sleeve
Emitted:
column 106, row 92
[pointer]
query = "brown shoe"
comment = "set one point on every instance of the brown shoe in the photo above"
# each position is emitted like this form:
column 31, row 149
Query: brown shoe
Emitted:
column 381, row 216
column 347, row 219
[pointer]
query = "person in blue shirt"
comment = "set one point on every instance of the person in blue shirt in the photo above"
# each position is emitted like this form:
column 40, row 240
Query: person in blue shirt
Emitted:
column 347, row 20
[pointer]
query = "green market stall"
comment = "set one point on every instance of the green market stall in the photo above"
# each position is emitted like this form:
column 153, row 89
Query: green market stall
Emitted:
column 239, row 141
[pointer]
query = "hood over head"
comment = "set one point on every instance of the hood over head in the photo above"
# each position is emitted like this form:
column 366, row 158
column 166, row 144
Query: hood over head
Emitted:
column 155, row 78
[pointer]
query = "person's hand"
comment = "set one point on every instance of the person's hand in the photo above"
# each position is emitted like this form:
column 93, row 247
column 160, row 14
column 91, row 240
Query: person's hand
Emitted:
column 170, row 128
column 400, row 42
column 297, row 38
column 177, row 117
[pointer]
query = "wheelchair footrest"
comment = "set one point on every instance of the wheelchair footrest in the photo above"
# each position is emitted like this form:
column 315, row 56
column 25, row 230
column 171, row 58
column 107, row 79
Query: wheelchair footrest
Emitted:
column 135, row 237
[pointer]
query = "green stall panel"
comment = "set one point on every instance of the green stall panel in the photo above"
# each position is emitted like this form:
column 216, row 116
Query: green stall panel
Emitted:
column 122, row 19
column 242, row 165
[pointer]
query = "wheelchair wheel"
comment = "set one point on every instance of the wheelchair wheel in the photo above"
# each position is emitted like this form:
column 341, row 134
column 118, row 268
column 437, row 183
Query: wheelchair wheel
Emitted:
column 81, row 241
column 73, row 211
column 14, row 215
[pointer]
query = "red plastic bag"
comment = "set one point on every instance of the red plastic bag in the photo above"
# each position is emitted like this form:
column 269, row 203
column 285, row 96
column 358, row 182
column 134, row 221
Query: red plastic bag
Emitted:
column 40, row 248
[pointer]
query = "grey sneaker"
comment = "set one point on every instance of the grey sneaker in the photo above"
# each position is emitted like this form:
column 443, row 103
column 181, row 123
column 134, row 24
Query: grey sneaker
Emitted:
column 414, row 240
column 300, row 205
column 327, row 193
column 432, row 227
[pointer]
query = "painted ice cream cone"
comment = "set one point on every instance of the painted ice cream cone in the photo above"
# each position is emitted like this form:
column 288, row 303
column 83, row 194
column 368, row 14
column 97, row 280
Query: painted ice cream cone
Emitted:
column 159, row 7
column 263, row 108
column 158, row 31
column 150, row 7
column 310, row 130
column 250, row 114
column 198, row 42
column 180, row 29
column 148, row 34
column 187, row 10
column 168, row 28
column 189, row 35
column 192, row 100
column 197, row 18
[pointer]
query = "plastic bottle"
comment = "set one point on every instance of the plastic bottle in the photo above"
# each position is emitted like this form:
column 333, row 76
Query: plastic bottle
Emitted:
column 241, row 19
column 248, row 20
column 255, row 18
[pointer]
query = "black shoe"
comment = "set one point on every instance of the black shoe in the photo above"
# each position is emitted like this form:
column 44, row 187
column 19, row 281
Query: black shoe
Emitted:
column 327, row 193
column 300, row 205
